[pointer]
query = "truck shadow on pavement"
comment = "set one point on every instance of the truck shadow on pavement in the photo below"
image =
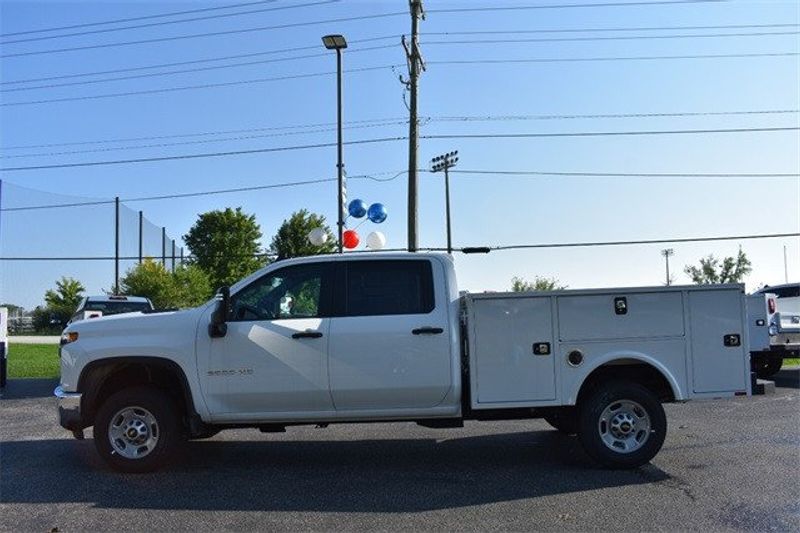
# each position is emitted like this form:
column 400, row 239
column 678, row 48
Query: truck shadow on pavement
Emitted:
column 18, row 389
column 788, row 377
column 398, row 475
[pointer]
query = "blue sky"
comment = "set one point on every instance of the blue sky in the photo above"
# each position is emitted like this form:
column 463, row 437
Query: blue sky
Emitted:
column 487, row 209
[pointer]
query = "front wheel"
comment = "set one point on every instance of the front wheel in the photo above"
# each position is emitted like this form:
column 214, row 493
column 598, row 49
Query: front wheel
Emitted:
column 137, row 429
column 621, row 424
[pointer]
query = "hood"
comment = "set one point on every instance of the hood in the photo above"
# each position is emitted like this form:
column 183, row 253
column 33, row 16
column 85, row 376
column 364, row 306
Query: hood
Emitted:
column 136, row 322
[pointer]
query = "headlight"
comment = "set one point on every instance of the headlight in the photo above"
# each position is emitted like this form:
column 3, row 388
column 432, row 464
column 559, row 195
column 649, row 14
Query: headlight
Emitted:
column 69, row 337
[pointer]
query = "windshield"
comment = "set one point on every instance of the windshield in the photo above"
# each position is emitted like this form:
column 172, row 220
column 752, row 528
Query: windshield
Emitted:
column 117, row 307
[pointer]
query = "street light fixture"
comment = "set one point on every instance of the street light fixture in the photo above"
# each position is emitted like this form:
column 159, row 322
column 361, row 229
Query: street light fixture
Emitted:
column 338, row 43
column 446, row 162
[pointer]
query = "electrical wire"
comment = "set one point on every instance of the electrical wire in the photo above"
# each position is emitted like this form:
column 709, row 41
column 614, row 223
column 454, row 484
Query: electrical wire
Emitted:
column 194, row 87
column 393, row 176
column 207, row 34
column 202, row 155
column 622, row 174
column 620, row 58
column 604, row 38
column 615, row 29
column 347, row 124
column 200, row 141
column 567, row 6
column 474, row 249
column 404, row 120
column 604, row 133
column 191, row 62
column 380, row 67
column 132, row 19
column 164, row 23
column 196, row 69
column 393, row 139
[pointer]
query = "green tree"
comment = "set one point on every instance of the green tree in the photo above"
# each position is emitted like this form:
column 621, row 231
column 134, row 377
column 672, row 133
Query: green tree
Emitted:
column 151, row 280
column 225, row 244
column 730, row 270
column 61, row 303
column 192, row 285
column 292, row 237
column 188, row 286
column 538, row 284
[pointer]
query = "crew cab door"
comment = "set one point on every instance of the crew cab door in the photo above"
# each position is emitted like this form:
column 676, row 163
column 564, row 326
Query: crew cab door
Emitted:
column 274, row 357
column 389, row 341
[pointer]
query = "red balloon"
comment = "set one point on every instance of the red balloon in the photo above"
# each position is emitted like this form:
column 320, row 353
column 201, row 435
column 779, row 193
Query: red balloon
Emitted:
column 350, row 239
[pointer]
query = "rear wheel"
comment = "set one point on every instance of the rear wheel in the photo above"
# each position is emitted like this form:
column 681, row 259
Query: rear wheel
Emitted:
column 137, row 429
column 766, row 367
column 621, row 424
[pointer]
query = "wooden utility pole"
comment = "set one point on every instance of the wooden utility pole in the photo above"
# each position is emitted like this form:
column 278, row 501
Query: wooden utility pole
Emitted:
column 415, row 66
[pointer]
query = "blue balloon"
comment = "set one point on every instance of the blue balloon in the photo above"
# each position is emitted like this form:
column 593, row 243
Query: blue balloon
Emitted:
column 377, row 213
column 357, row 208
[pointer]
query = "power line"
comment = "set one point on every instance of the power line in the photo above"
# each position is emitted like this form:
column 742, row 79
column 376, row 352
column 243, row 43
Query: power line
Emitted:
column 615, row 29
column 199, row 141
column 365, row 69
column 373, row 177
column 604, row 133
column 207, row 133
column 202, row 155
column 191, row 62
column 484, row 248
column 480, row 118
column 132, row 19
column 196, row 69
column 206, row 34
column 621, row 58
column 392, row 139
column 193, row 87
column 164, row 23
column 644, row 241
column 606, row 38
column 567, row 6
column 396, row 120
column 625, row 174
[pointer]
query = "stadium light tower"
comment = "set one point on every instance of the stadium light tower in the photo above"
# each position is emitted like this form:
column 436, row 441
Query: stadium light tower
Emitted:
column 667, row 252
column 446, row 162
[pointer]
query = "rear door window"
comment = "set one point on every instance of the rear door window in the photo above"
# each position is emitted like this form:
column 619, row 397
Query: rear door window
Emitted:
column 388, row 287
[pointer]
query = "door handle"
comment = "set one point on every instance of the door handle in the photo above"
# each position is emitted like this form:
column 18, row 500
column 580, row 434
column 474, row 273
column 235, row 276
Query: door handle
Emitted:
column 307, row 335
column 427, row 331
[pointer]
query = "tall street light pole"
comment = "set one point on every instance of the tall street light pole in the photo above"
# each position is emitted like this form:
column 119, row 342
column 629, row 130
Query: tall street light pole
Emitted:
column 446, row 162
column 338, row 43
column 667, row 253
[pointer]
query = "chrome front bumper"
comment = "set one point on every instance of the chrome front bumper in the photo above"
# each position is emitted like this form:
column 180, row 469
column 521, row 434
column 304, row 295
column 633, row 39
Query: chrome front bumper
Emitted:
column 69, row 409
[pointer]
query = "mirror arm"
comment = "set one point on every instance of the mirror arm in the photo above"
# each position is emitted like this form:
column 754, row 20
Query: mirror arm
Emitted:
column 218, row 326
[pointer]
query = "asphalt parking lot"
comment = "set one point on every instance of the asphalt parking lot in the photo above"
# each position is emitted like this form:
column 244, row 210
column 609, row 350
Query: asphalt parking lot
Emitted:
column 727, row 465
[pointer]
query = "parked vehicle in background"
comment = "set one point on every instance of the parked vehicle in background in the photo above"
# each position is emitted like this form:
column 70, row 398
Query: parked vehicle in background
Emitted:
column 774, row 323
column 105, row 305
column 386, row 337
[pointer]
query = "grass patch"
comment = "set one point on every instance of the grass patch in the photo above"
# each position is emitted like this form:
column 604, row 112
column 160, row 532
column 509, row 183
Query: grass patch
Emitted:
column 791, row 362
column 33, row 361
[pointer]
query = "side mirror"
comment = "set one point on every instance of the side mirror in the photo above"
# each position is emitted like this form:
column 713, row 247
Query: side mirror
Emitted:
column 218, row 326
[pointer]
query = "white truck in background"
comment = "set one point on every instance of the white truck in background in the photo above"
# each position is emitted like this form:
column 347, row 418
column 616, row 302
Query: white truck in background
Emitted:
column 386, row 337
column 773, row 315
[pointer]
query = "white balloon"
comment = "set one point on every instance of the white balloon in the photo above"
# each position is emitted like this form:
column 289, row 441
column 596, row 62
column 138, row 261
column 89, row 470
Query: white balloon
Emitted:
column 376, row 240
column 317, row 236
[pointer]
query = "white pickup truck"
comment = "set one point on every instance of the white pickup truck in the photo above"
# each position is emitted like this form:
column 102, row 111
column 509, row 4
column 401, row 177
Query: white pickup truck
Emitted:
column 773, row 315
column 386, row 337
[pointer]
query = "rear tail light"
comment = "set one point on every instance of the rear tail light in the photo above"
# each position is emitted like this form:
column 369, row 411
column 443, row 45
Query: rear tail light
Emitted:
column 771, row 305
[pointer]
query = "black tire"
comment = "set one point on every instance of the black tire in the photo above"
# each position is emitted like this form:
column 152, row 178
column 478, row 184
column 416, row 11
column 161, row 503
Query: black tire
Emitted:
column 167, row 430
column 592, row 426
column 565, row 420
column 766, row 367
